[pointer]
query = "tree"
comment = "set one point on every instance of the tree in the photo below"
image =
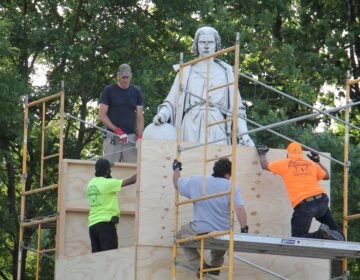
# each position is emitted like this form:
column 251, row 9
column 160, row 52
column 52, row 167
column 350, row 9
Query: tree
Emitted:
column 11, row 86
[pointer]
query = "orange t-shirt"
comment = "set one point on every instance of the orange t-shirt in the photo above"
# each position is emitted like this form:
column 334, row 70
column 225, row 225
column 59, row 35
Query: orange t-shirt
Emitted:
column 300, row 176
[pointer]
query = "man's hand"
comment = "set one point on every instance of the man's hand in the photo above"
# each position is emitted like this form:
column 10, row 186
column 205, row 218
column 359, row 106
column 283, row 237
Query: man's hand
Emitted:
column 262, row 149
column 123, row 136
column 159, row 119
column 138, row 140
column 176, row 165
column 314, row 157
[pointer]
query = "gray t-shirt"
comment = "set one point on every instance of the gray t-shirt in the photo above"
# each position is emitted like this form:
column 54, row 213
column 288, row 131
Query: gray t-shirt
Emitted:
column 210, row 214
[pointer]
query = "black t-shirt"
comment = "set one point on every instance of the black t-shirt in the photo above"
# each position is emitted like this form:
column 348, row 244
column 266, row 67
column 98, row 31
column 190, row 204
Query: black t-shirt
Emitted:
column 122, row 105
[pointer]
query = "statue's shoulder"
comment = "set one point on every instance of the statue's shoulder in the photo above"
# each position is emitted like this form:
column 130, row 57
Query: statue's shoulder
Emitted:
column 223, row 63
column 176, row 67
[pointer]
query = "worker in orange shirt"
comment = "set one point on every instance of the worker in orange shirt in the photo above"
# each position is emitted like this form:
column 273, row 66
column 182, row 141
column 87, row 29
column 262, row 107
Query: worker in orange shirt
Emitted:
column 308, row 198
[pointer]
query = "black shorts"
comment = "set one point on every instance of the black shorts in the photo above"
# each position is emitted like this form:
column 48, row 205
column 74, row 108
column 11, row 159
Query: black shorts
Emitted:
column 103, row 236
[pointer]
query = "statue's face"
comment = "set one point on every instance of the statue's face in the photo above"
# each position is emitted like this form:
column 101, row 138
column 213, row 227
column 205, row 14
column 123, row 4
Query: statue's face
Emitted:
column 206, row 44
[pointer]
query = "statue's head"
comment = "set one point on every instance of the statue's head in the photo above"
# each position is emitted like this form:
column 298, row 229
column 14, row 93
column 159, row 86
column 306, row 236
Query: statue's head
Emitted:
column 206, row 30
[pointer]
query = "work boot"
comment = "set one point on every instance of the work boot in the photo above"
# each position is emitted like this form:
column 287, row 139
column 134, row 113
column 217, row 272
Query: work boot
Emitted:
column 205, row 266
column 327, row 233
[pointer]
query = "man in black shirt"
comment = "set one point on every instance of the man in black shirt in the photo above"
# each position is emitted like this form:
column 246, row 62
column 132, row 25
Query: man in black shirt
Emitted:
column 121, row 111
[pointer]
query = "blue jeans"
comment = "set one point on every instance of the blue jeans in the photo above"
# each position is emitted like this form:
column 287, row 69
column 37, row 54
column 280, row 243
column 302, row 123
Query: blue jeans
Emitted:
column 304, row 213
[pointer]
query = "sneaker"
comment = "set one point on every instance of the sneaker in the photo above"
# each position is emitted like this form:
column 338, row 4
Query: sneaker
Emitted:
column 327, row 233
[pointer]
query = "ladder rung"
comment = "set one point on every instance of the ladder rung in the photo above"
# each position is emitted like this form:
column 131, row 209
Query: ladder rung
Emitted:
column 51, row 156
column 352, row 82
column 216, row 158
column 220, row 86
column 48, row 250
column 39, row 221
column 187, row 201
column 203, row 236
column 32, row 250
column 202, row 58
column 42, row 100
column 86, row 210
column 351, row 217
column 219, row 122
column 215, row 268
column 43, row 189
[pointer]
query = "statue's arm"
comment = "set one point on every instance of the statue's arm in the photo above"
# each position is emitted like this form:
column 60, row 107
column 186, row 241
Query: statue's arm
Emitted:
column 241, row 122
column 166, row 110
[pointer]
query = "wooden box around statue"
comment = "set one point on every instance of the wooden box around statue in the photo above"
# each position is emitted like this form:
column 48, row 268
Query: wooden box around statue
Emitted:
column 146, row 226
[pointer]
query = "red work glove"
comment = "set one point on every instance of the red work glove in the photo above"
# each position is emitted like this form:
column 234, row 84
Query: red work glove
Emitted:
column 123, row 136
column 138, row 137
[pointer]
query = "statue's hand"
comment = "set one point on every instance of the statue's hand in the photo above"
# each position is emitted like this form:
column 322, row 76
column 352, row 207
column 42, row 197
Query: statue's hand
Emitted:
column 159, row 119
column 245, row 140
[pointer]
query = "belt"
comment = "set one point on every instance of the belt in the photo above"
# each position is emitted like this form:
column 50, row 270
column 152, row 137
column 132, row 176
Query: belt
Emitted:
column 312, row 198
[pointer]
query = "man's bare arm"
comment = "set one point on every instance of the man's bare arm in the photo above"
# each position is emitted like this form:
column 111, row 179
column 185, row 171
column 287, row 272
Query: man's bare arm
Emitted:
column 176, row 177
column 103, row 109
column 241, row 215
column 326, row 177
column 129, row 181
column 139, row 120
column 263, row 162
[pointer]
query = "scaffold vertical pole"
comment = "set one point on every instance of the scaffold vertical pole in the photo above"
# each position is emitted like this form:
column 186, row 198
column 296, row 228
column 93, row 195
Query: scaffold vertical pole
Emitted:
column 61, row 153
column 233, row 159
column 176, row 193
column 23, row 188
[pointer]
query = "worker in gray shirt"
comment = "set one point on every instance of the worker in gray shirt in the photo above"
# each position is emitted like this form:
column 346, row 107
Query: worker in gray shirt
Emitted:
column 210, row 214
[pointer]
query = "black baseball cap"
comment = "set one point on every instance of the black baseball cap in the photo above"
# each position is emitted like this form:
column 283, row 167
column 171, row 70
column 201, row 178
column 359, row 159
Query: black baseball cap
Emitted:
column 102, row 165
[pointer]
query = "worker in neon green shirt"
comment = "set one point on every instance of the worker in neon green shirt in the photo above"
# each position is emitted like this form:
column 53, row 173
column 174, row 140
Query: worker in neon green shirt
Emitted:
column 104, row 208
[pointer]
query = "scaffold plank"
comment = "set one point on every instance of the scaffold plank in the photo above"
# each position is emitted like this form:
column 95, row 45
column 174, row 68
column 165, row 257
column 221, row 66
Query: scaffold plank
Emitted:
column 287, row 246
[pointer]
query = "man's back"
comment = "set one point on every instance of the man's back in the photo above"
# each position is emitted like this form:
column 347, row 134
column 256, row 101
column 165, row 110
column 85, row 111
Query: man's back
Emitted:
column 210, row 214
column 300, row 176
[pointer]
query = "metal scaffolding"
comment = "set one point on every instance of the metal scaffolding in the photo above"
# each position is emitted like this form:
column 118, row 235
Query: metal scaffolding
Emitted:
column 47, row 220
column 206, row 160
column 339, row 251
column 347, row 163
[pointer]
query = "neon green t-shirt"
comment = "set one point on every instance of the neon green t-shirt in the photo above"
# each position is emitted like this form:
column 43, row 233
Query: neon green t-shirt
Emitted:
column 102, row 197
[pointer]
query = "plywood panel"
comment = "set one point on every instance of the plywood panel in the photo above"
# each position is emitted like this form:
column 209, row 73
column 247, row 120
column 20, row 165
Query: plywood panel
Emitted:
column 293, row 268
column 155, row 263
column 107, row 265
column 77, row 240
column 156, row 193
column 79, row 173
column 269, row 211
column 266, row 202
column 74, row 236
